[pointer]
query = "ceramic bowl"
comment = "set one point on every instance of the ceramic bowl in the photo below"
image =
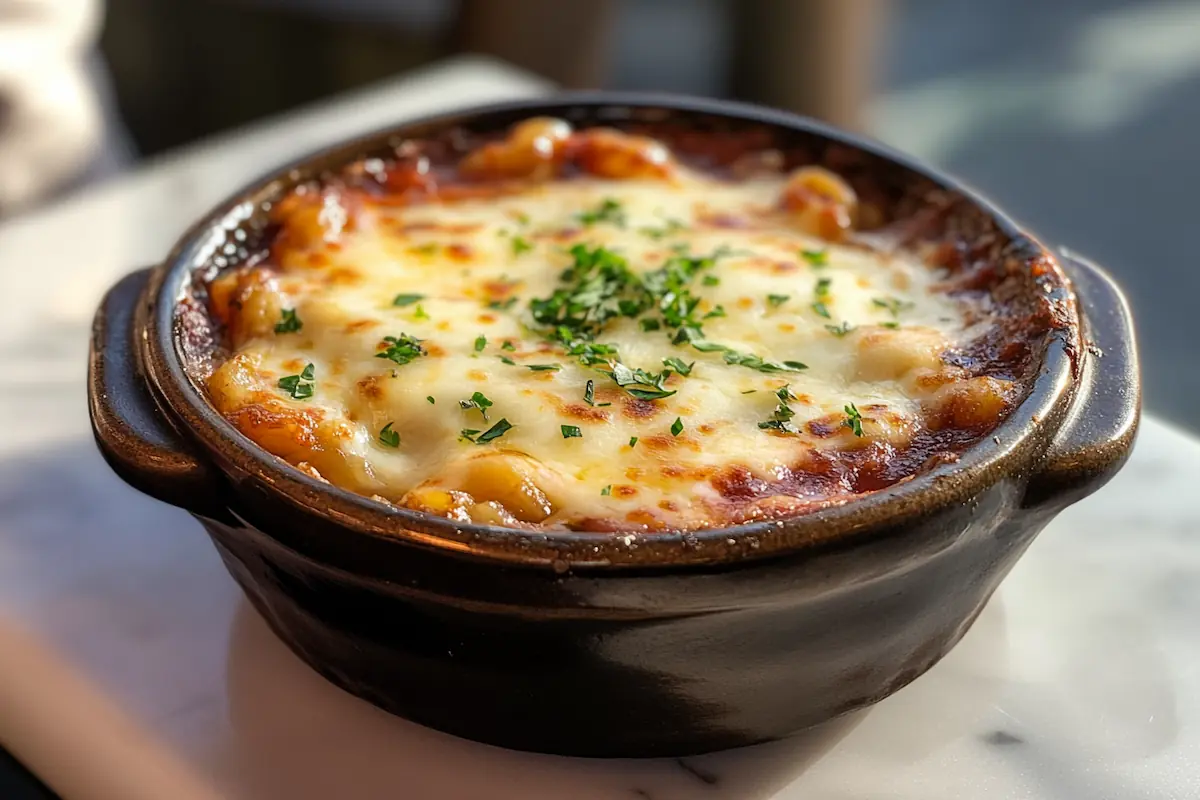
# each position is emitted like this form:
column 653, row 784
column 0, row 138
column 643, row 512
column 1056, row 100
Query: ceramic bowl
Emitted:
column 598, row 644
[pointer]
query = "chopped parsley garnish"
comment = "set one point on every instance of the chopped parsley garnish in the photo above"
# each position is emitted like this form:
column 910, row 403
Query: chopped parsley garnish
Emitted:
column 758, row 363
column 749, row 391
column 632, row 440
column 840, row 330
column 892, row 305
column 478, row 400
column 288, row 322
column 609, row 210
column 480, row 343
column 691, row 336
column 401, row 349
column 669, row 227
column 596, row 284
column 776, row 300
column 544, row 367
column 710, row 280
column 821, row 293
column 420, row 313
column 650, row 324
column 677, row 427
column 507, row 360
column 679, row 366
column 589, row 393
column 502, row 305
column 495, row 432
column 718, row 311
column 606, row 491
column 407, row 299
column 299, row 387
column 890, row 325
column 639, row 383
column 571, row 432
column 853, row 420
column 781, row 418
column 521, row 217
column 430, row 399
column 816, row 258
column 507, row 345
column 520, row 245
column 389, row 437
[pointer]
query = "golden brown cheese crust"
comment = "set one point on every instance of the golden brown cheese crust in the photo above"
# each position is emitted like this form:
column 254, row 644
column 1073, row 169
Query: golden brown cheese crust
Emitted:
column 597, row 331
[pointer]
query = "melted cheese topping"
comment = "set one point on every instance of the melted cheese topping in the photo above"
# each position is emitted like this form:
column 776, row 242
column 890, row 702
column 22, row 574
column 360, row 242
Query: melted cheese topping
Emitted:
column 730, row 444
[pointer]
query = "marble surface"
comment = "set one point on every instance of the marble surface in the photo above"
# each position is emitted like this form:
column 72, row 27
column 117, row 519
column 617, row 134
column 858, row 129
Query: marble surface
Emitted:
column 130, row 666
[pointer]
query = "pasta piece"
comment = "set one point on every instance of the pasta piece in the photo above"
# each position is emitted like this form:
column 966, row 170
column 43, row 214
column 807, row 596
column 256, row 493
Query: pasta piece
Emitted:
column 820, row 203
column 885, row 355
column 531, row 150
column 608, row 153
column 972, row 404
column 248, row 302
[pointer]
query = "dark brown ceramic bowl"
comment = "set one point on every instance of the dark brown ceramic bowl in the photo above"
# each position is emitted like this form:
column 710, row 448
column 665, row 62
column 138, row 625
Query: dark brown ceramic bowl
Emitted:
column 595, row 644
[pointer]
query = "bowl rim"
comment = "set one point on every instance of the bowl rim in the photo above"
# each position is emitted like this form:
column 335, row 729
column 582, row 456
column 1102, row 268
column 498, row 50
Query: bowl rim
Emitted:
column 1008, row 451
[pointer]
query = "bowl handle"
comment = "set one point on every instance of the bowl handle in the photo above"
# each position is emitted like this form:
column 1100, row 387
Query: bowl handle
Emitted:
column 134, row 435
column 1097, row 435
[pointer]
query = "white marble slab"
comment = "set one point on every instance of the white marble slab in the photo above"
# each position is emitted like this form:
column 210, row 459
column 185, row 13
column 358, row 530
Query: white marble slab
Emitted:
column 131, row 668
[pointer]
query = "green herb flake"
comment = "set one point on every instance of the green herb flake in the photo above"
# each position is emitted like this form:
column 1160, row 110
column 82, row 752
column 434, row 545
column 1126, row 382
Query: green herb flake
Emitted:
column 480, row 343
column 710, row 280
column 507, row 360
column 890, row 325
column 892, row 305
column 544, row 367
column 821, row 293
column 609, row 210
column 606, row 491
column 776, row 300
column 401, row 349
column 299, row 387
column 495, row 432
column 633, row 441
column 420, row 313
column 640, row 384
column 717, row 311
column 650, row 324
column 677, row 427
column 669, row 227
column 478, row 400
column 389, row 437
column 853, row 420
column 840, row 330
column 781, row 418
column 520, row 245
column 509, row 346
column 430, row 399
column 288, row 322
column 407, row 299
column 678, row 365
column 751, row 361
column 571, row 431
column 589, row 393
column 816, row 258
column 502, row 305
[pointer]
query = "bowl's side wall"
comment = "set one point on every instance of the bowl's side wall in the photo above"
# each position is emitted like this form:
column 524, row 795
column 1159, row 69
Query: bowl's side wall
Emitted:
column 575, row 680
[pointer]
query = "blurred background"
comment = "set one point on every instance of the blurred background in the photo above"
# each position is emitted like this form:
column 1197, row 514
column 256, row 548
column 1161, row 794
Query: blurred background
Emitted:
column 1081, row 117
